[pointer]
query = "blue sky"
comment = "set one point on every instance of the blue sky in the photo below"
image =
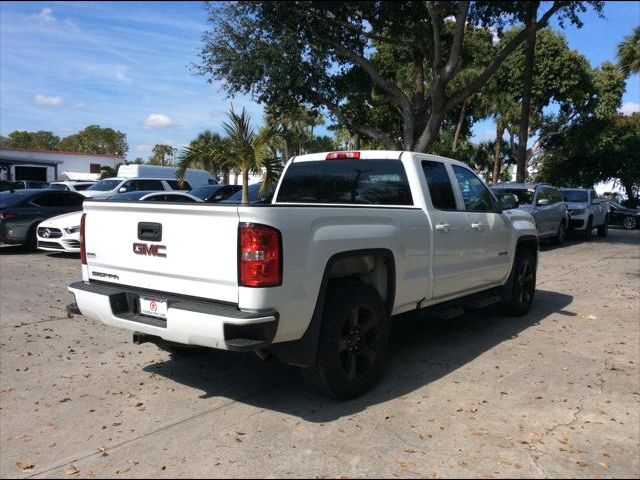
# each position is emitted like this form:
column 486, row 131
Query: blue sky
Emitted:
column 125, row 65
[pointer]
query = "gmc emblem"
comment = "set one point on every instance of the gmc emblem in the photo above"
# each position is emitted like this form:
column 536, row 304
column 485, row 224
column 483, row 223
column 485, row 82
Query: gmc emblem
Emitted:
column 146, row 249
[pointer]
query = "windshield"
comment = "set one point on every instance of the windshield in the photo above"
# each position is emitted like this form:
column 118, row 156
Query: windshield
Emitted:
column 578, row 196
column 203, row 193
column 57, row 186
column 104, row 185
column 524, row 196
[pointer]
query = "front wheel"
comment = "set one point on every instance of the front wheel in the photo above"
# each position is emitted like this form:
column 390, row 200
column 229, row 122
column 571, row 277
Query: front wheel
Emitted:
column 603, row 229
column 588, row 232
column 352, row 347
column 559, row 238
column 523, row 284
column 629, row 223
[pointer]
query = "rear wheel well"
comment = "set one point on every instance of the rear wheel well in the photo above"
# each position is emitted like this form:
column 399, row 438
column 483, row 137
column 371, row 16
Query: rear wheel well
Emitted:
column 374, row 268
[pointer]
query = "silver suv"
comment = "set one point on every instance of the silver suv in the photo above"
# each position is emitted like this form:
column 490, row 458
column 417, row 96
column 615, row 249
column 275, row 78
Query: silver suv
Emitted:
column 544, row 202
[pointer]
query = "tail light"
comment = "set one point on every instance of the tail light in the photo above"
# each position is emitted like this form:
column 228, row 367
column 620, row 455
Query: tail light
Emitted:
column 260, row 256
column 343, row 156
column 83, row 247
column 7, row 215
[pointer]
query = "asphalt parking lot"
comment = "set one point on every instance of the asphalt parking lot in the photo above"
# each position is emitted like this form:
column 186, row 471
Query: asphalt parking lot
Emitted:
column 553, row 394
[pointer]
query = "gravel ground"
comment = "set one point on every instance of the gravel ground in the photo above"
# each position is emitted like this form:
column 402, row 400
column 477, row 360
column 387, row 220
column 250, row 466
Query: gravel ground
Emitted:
column 553, row 394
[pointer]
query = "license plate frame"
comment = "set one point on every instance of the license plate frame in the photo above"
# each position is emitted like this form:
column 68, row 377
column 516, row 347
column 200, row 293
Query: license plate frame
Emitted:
column 153, row 307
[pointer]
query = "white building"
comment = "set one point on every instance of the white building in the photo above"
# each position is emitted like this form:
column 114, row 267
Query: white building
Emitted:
column 47, row 166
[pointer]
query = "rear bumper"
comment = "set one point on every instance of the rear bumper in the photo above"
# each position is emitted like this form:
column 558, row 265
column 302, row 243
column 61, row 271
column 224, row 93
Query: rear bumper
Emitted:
column 189, row 321
column 13, row 233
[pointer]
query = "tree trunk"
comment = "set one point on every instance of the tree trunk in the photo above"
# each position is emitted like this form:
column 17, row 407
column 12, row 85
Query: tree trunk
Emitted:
column 497, row 161
column 454, row 146
column 356, row 141
column 225, row 176
column 628, row 188
column 245, row 187
column 529, row 64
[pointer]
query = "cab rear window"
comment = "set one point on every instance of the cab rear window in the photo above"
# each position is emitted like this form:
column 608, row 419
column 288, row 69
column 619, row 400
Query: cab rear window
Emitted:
column 365, row 182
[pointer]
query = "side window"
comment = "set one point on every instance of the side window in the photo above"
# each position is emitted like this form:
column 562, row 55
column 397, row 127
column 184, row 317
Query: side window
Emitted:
column 130, row 186
column 476, row 195
column 174, row 184
column 51, row 200
column 150, row 185
column 73, row 200
column 439, row 184
column 555, row 194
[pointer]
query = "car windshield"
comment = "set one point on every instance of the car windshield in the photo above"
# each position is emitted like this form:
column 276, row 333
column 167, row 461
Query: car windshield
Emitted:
column 578, row 196
column 104, row 185
column 57, row 186
column 254, row 195
column 203, row 193
column 524, row 195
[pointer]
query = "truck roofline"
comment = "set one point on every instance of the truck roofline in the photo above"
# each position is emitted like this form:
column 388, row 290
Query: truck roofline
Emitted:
column 375, row 155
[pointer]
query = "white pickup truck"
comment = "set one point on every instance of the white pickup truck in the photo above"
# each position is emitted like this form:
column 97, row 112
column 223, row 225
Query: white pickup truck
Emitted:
column 349, row 240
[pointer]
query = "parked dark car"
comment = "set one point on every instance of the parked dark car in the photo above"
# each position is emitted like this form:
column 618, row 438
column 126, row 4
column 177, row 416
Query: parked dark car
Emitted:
column 22, row 210
column 627, row 218
column 255, row 195
column 215, row 193
column 21, row 185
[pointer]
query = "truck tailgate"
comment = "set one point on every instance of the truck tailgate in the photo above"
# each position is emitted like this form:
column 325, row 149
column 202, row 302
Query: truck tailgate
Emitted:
column 124, row 246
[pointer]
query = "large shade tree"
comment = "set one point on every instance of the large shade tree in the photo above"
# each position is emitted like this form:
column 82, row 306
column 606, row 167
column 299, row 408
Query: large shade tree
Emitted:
column 319, row 54
column 96, row 139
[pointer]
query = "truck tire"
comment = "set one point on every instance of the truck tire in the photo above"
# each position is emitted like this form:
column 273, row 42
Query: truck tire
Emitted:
column 603, row 229
column 353, row 342
column 523, row 284
column 588, row 232
column 562, row 232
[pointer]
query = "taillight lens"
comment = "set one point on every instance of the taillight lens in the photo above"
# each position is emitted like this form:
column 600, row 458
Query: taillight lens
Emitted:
column 343, row 156
column 83, row 247
column 260, row 256
column 7, row 215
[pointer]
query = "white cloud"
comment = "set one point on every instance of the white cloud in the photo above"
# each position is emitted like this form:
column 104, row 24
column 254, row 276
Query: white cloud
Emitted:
column 70, row 23
column 44, row 101
column 79, row 105
column 630, row 107
column 158, row 120
column 45, row 16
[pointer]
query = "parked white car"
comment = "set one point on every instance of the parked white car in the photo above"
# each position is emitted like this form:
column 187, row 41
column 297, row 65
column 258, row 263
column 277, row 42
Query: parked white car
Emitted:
column 60, row 234
column 194, row 176
column 587, row 211
column 70, row 185
column 110, row 186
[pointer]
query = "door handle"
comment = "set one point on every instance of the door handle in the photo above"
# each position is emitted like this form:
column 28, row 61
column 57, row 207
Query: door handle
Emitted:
column 477, row 226
column 443, row 227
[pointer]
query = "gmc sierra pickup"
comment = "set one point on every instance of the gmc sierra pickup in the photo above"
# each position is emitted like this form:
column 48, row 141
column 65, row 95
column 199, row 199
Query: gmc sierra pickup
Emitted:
column 349, row 240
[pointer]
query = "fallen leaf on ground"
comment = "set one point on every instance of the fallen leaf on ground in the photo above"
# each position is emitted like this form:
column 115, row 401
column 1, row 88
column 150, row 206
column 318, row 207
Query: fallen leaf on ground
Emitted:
column 604, row 465
column 71, row 470
column 24, row 465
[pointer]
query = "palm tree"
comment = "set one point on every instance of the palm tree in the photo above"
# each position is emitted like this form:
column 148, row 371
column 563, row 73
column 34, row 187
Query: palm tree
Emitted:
column 202, row 152
column 629, row 53
column 161, row 152
column 245, row 150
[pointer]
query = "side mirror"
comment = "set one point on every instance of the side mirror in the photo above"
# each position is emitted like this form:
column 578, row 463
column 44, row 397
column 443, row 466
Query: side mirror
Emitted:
column 509, row 201
column 122, row 189
column 543, row 202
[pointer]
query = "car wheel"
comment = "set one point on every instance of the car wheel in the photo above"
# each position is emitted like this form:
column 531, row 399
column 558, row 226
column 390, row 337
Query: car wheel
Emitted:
column 523, row 284
column 31, row 241
column 629, row 223
column 588, row 232
column 603, row 229
column 559, row 238
column 352, row 348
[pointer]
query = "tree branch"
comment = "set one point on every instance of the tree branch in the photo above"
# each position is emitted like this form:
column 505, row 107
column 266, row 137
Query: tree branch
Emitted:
column 385, row 85
column 458, row 37
column 515, row 42
column 374, row 133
